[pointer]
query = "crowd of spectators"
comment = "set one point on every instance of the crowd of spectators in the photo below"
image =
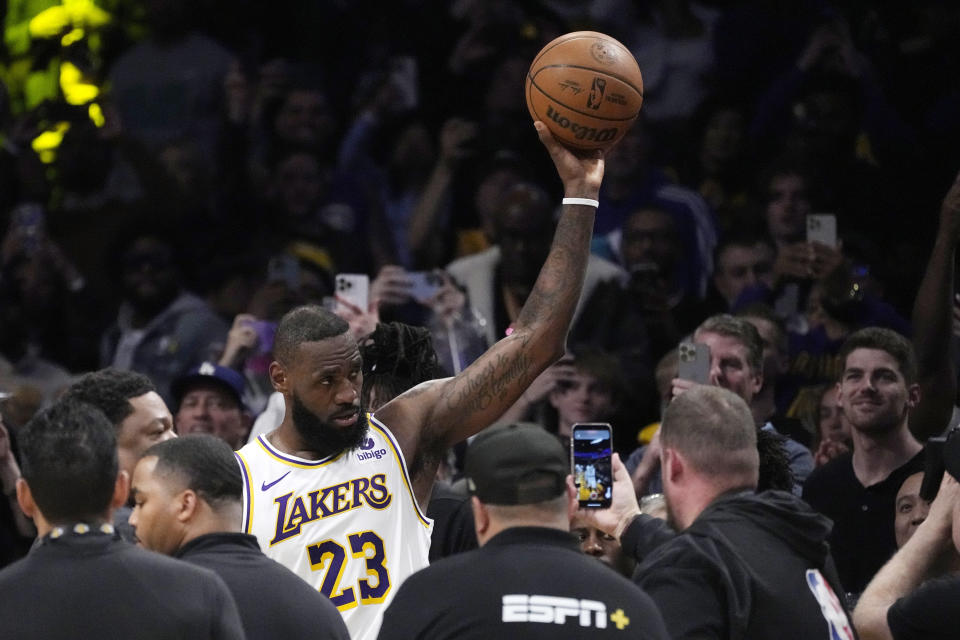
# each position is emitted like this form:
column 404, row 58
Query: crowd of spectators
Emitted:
column 175, row 177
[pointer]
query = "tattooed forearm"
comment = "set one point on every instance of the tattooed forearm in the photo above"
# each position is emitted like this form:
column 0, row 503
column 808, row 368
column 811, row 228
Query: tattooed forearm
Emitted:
column 492, row 382
column 555, row 295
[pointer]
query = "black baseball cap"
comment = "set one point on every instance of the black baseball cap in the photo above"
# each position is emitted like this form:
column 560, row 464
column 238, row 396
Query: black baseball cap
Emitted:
column 517, row 463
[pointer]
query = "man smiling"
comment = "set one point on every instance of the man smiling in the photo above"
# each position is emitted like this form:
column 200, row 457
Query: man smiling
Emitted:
column 877, row 390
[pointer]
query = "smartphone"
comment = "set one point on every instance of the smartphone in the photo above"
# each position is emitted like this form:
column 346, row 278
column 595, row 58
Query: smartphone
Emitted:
column 424, row 285
column 694, row 362
column 822, row 228
column 353, row 288
column 590, row 450
column 285, row 269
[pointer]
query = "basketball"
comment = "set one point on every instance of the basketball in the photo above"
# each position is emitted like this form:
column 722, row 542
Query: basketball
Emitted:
column 587, row 88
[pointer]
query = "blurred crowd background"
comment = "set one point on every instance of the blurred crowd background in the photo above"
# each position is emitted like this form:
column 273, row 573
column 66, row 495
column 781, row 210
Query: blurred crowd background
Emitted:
column 174, row 176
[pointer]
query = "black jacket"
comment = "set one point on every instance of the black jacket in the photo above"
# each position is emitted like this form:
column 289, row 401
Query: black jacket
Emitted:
column 94, row 586
column 525, row 583
column 273, row 601
column 750, row 566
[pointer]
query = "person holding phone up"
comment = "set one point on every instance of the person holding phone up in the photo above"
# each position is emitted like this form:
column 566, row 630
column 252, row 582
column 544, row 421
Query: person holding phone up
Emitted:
column 729, row 562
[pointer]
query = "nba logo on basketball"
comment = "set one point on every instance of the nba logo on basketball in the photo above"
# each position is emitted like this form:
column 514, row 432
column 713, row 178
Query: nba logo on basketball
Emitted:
column 595, row 98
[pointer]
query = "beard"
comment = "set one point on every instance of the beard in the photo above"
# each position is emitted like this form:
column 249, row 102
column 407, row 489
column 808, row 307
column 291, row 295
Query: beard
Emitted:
column 323, row 437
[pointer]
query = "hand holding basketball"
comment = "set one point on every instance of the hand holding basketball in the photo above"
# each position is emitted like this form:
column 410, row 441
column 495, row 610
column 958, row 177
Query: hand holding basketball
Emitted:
column 587, row 88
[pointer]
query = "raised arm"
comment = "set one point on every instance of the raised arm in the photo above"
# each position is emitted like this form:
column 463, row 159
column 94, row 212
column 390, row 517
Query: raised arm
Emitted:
column 438, row 414
column 924, row 554
column 932, row 323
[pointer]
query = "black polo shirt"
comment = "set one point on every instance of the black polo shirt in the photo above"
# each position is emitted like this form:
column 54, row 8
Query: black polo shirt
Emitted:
column 863, row 537
column 524, row 583
column 273, row 601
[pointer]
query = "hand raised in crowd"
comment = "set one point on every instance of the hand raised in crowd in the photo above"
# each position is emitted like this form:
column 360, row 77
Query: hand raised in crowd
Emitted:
column 793, row 260
column 680, row 385
column 824, row 260
column 939, row 522
column 623, row 505
column 362, row 322
column 828, row 450
column 552, row 379
column 391, row 286
column 241, row 339
column 449, row 301
column 807, row 261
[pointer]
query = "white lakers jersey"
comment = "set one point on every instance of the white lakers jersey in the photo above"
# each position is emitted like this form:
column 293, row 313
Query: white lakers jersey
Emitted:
column 348, row 524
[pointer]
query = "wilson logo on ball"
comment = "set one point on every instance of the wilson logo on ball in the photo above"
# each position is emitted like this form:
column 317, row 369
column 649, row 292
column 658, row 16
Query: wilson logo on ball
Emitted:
column 581, row 132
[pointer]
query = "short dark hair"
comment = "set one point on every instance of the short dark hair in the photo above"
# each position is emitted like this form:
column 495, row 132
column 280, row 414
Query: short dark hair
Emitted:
column 205, row 463
column 68, row 456
column 396, row 357
column 725, row 324
column 110, row 390
column 602, row 365
column 883, row 340
column 309, row 323
column 742, row 236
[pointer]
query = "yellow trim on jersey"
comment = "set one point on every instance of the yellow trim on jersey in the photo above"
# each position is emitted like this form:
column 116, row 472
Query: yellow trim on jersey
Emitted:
column 382, row 428
column 290, row 463
column 248, row 483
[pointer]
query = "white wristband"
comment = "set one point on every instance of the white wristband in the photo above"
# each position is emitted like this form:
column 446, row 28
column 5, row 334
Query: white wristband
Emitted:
column 584, row 201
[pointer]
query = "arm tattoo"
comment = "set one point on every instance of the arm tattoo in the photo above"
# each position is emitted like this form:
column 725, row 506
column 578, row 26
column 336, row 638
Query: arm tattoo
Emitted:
column 558, row 286
column 478, row 390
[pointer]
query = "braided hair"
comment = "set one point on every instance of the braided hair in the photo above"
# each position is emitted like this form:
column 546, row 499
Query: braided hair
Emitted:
column 396, row 357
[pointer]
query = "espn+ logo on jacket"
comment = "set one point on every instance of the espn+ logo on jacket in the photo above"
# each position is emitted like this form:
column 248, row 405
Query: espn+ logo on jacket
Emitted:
column 557, row 610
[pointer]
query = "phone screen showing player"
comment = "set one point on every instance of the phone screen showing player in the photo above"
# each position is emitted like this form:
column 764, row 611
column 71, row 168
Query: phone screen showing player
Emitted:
column 591, row 448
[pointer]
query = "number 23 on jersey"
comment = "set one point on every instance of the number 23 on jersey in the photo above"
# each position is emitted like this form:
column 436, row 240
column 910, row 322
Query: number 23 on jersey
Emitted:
column 330, row 557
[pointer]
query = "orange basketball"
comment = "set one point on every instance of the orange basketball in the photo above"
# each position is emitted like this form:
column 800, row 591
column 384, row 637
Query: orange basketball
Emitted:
column 587, row 88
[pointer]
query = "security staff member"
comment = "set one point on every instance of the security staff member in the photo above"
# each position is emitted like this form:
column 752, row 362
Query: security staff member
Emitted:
column 80, row 580
column 187, row 493
column 528, row 579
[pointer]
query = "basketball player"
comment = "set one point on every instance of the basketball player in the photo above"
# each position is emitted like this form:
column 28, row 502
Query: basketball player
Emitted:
column 337, row 497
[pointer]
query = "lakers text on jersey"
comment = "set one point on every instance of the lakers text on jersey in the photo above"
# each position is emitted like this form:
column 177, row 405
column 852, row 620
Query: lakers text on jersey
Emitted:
column 348, row 524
